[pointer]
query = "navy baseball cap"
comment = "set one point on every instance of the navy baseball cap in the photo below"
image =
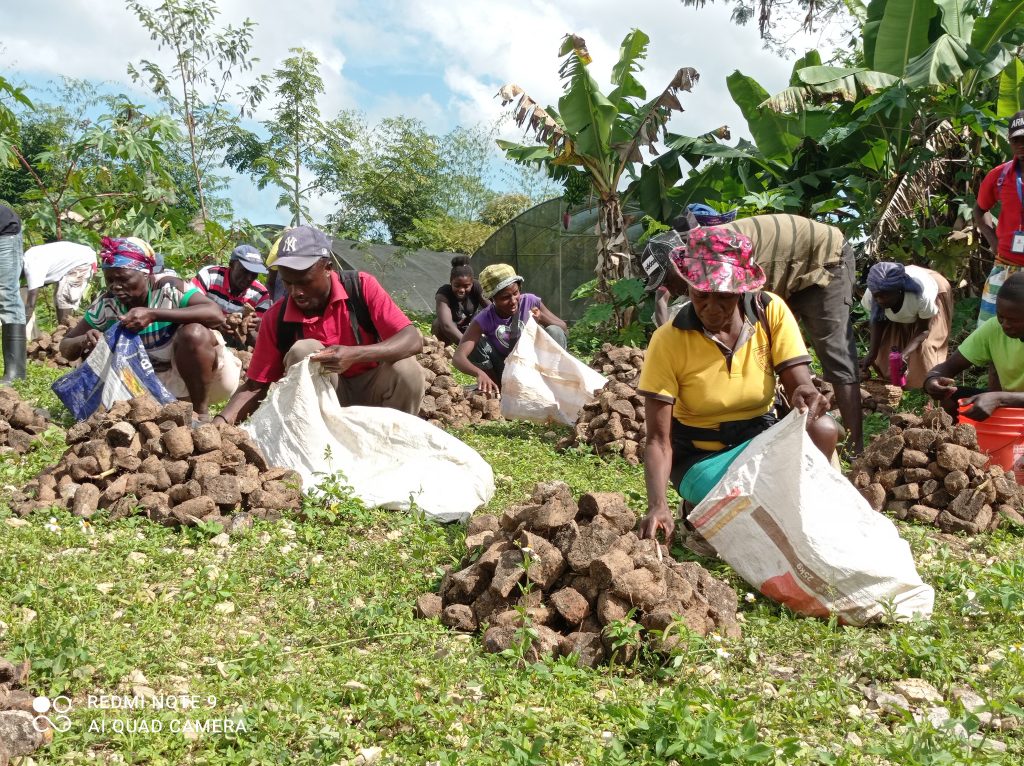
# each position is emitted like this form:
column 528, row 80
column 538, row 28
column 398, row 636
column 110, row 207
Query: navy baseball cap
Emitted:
column 1017, row 125
column 250, row 258
column 302, row 247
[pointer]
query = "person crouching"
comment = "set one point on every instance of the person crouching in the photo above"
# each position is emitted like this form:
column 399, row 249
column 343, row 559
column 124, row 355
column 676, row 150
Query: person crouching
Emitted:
column 174, row 325
column 353, row 329
column 495, row 331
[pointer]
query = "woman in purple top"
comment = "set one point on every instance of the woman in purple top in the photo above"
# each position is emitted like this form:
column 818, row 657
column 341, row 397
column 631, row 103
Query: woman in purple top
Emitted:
column 494, row 332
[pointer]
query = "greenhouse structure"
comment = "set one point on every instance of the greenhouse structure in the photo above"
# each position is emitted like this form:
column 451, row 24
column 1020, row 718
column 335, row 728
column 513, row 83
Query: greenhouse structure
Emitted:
column 552, row 259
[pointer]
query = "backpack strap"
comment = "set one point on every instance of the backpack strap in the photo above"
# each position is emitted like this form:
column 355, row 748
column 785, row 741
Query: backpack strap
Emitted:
column 358, row 311
column 287, row 332
column 761, row 302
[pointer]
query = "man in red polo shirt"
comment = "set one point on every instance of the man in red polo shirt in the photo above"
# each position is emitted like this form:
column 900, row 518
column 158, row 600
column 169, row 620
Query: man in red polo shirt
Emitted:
column 368, row 366
column 1003, row 186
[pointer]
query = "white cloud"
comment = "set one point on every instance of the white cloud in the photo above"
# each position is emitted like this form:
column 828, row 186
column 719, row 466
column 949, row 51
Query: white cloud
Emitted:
column 97, row 39
column 508, row 41
column 440, row 61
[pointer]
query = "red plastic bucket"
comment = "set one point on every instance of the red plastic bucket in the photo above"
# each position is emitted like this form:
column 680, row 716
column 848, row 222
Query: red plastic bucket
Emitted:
column 1002, row 436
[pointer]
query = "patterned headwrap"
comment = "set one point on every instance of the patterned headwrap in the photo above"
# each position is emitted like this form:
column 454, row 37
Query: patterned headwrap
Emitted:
column 887, row 276
column 127, row 253
column 705, row 215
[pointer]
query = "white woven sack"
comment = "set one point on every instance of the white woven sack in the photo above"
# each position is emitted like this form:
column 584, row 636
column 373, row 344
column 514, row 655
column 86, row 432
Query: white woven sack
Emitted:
column 390, row 459
column 543, row 382
column 795, row 528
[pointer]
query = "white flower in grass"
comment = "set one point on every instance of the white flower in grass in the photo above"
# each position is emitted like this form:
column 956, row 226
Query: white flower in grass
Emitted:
column 722, row 653
column 528, row 551
column 971, row 595
column 716, row 638
column 52, row 525
column 750, row 598
column 86, row 527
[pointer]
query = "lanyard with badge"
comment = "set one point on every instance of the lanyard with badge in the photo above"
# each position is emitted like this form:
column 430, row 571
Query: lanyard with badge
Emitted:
column 1017, row 244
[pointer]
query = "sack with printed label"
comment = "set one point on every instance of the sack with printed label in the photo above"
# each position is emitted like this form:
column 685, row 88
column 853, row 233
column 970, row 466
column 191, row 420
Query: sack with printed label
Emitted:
column 796, row 529
column 543, row 382
column 115, row 370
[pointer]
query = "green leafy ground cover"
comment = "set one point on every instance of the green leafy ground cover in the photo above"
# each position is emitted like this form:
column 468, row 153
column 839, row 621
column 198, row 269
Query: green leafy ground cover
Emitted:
column 302, row 632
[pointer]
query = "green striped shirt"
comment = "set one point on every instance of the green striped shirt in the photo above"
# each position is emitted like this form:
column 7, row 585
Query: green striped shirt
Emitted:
column 157, row 337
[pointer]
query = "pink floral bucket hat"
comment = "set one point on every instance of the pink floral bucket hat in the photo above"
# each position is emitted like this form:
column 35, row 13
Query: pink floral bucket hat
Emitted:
column 719, row 260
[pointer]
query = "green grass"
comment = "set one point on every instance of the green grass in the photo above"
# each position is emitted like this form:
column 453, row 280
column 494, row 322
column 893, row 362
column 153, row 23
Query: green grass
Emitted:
column 304, row 631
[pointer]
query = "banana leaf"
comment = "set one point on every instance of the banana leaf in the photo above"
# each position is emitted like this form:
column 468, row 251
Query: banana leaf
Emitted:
column 902, row 34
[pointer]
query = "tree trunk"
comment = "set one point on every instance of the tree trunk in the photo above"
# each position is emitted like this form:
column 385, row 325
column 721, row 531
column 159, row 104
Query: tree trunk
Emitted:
column 614, row 257
column 190, row 126
column 298, row 194
column 54, row 204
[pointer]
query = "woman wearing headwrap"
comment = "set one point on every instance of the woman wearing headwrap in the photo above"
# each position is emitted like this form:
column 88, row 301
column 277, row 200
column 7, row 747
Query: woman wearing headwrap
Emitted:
column 174, row 325
column 911, row 309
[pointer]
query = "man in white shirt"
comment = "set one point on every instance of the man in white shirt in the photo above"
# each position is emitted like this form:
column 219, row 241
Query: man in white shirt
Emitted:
column 68, row 265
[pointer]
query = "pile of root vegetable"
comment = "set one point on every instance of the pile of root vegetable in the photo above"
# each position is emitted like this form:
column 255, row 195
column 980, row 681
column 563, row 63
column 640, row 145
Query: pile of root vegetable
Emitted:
column 572, row 570
column 20, row 422
column 446, row 402
column 21, row 732
column 878, row 396
column 236, row 333
column 237, row 325
column 46, row 348
column 928, row 470
column 140, row 456
column 614, row 423
column 621, row 363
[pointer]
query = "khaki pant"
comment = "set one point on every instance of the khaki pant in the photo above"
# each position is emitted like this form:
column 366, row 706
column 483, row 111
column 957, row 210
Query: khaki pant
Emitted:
column 399, row 385
column 226, row 378
column 71, row 287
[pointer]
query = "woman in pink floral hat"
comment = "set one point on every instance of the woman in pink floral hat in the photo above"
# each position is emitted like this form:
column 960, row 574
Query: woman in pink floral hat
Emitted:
column 709, row 376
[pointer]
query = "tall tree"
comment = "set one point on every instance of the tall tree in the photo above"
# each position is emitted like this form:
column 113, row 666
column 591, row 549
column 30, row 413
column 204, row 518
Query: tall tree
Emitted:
column 779, row 20
column 108, row 174
column 600, row 135
column 395, row 182
column 207, row 60
column 11, row 98
column 302, row 155
column 892, row 149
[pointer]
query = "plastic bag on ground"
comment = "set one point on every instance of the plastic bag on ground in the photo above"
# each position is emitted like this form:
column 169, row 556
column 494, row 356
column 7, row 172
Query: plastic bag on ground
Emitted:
column 390, row 459
column 795, row 528
column 543, row 382
column 115, row 370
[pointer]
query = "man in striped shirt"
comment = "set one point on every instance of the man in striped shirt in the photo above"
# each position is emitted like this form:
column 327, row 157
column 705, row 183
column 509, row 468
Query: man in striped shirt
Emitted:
column 235, row 286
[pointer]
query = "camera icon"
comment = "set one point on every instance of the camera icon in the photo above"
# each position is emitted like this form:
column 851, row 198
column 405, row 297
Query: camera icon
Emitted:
column 60, row 706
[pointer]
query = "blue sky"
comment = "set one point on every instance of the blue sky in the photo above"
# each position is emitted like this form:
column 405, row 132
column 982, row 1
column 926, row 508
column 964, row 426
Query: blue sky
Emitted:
column 441, row 61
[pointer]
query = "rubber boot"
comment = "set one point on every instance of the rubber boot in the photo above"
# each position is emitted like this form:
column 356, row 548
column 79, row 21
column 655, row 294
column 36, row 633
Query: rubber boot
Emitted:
column 14, row 353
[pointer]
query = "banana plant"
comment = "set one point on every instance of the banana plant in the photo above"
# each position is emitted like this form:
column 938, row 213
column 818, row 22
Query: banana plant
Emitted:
column 891, row 148
column 603, row 135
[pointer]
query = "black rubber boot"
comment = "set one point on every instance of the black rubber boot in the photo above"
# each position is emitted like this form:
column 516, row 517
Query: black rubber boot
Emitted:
column 14, row 353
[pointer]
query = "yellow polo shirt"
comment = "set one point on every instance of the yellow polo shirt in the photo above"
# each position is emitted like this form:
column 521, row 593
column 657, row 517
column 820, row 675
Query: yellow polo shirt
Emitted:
column 709, row 385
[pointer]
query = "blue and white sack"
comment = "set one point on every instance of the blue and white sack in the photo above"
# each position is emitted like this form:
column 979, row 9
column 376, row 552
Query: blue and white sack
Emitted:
column 117, row 369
